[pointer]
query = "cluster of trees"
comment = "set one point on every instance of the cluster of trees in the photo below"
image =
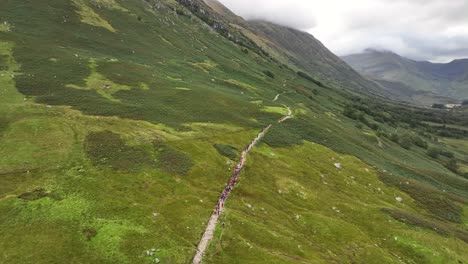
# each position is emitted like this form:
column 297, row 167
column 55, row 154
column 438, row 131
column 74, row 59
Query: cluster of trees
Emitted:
column 435, row 152
column 309, row 78
column 408, row 117
column 357, row 114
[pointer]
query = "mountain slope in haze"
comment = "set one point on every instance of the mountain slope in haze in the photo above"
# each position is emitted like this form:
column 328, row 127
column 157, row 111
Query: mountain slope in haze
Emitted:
column 120, row 122
column 300, row 51
column 422, row 77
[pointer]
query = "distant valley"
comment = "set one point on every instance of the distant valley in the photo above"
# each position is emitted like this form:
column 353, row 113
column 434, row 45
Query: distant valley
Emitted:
column 421, row 82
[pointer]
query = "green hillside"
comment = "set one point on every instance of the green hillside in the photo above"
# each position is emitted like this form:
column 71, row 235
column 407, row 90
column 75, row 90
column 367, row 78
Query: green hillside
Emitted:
column 121, row 120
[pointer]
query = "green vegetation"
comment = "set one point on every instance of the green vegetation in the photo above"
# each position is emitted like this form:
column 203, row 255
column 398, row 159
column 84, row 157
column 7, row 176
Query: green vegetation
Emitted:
column 107, row 149
column 269, row 74
column 228, row 151
column 173, row 161
column 117, row 120
column 307, row 77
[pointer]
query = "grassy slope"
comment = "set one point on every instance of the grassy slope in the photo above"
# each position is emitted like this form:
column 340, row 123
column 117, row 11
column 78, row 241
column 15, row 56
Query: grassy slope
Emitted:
column 102, row 85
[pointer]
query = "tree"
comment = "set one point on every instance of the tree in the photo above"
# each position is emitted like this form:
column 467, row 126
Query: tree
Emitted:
column 447, row 154
column 269, row 74
column 394, row 137
column 433, row 152
column 406, row 141
column 419, row 142
column 309, row 78
column 465, row 102
column 452, row 165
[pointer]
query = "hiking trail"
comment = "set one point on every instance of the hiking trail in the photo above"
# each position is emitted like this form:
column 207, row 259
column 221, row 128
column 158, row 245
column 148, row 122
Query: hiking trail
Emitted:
column 210, row 228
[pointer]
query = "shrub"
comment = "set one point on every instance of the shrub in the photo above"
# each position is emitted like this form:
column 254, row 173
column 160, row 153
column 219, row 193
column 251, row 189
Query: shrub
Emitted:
column 269, row 74
column 447, row 154
column 351, row 113
column 307, row 77
column 374, row 126
column 419, row 142
column 465, row 175
column 406, row 141
column 226, row 150
column 433, row 152
column 435, row 201
column 452, row 165
column 173, row 161
column 107, row 149
column 394, row 137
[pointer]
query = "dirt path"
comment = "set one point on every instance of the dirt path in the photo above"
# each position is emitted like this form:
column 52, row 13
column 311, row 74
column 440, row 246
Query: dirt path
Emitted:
column 276, row 98
column 210, row 228
column 286, row 117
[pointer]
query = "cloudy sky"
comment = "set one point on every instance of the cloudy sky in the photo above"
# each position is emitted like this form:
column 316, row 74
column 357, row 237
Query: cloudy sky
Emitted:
column 435, row 30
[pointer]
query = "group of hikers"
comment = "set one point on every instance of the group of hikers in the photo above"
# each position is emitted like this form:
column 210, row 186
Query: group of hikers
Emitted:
column 232, row 182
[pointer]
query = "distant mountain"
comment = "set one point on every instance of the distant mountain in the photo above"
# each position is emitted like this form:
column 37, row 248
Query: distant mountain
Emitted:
column 422, row 81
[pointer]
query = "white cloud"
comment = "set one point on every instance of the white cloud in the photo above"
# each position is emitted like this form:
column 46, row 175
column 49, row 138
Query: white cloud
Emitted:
column 434, row 30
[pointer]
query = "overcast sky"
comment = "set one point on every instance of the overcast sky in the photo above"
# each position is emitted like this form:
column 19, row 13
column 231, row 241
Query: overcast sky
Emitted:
column 435, row 30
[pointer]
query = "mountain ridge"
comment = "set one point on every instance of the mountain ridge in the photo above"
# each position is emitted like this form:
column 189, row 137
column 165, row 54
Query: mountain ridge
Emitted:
column 442, row 79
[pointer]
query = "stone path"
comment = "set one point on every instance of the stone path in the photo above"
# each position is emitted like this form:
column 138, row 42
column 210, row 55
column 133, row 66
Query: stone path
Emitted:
column 209, row 231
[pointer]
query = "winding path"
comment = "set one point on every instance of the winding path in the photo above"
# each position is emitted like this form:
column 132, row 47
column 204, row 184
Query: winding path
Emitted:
column 276, row 98
column 210, row 228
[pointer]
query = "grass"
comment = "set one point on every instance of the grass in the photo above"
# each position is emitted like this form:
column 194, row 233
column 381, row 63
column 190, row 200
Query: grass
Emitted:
column 275, row 109
column 420, row 221
column 302, row 213
column 240, row 85
column 90, row 17
column 99, row 83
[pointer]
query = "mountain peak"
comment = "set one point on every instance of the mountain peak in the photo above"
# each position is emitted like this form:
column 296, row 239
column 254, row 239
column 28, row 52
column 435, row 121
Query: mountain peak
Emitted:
column 378, row 50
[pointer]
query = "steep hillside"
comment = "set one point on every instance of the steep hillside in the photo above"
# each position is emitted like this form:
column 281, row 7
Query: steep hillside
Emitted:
column 308, row 53
column 433, row 79
column 300, row 51
column 121, row 122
